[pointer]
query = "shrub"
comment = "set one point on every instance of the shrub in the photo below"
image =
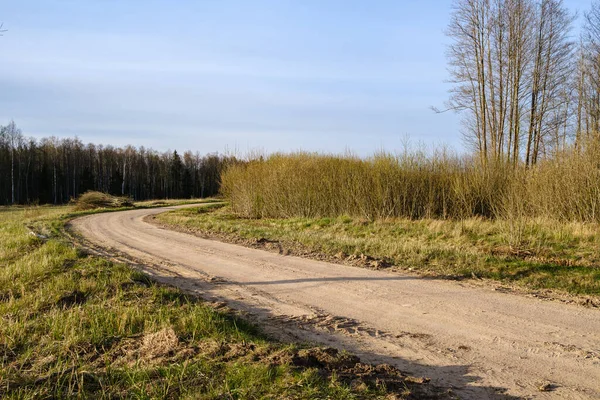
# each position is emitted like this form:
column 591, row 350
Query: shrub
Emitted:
column 91, row 199
column 415, row 185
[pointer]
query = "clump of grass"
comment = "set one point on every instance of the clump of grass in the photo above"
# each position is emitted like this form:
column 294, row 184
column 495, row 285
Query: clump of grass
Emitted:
column 91, row 200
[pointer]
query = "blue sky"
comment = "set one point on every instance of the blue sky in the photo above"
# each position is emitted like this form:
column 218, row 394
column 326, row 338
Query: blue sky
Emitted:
column 224, row 75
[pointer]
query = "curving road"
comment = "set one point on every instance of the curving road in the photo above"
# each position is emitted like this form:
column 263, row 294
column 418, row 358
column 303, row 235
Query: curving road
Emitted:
column 482, row 343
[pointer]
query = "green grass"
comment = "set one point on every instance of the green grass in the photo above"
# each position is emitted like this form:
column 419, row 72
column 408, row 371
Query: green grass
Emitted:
column 536, row 254
column 75, row 325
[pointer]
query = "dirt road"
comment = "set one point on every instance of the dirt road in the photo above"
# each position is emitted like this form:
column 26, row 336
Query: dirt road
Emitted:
column 482, row 343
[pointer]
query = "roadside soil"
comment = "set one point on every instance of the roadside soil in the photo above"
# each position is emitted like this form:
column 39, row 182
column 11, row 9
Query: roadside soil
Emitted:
column 478, row 342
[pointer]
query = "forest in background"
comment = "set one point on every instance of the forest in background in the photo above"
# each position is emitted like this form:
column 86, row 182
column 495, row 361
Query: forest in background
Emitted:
column 55, row 171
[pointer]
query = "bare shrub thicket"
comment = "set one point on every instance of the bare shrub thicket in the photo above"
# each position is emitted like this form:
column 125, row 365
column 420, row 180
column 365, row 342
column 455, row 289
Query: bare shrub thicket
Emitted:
column 530, row 99
column 415, row 185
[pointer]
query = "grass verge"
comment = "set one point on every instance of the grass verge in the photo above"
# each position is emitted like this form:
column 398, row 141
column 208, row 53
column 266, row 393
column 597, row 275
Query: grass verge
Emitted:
column 75, row 325
column 535, row 254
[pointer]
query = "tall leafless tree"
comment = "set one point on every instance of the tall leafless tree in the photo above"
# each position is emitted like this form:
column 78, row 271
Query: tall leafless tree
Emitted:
column 589, row 76
column 510, row 62
column 551, row 71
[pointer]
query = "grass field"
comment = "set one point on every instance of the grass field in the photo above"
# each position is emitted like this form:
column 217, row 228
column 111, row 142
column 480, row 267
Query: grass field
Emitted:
column 536, row 254
column 75, row 325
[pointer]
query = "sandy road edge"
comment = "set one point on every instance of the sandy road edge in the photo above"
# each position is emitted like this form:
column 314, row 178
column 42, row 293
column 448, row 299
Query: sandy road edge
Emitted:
column 368, row 262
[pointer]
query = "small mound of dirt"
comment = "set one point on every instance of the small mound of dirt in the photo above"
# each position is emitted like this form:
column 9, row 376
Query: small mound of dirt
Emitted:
column 366, row 261
column 377, row 375
column 349, row 370
column 327, row 358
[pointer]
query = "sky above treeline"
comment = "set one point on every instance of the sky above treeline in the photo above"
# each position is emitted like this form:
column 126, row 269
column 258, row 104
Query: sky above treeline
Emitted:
column 231, row 76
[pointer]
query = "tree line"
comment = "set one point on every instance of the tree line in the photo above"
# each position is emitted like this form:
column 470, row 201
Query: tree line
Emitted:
column 527, row 86
column 54, row 170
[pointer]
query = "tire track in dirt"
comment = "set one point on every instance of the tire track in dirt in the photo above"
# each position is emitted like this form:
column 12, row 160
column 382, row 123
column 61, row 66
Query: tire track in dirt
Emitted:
column 480, row 342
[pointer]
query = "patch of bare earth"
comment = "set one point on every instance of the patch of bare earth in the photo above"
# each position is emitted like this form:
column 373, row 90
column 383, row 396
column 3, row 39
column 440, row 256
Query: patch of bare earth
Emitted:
column 163, row 347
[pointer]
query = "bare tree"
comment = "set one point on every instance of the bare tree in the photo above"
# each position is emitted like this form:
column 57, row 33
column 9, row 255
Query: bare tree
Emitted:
column 589, row 75
column 550, row 75
column 488, row 59
column 510, row 61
